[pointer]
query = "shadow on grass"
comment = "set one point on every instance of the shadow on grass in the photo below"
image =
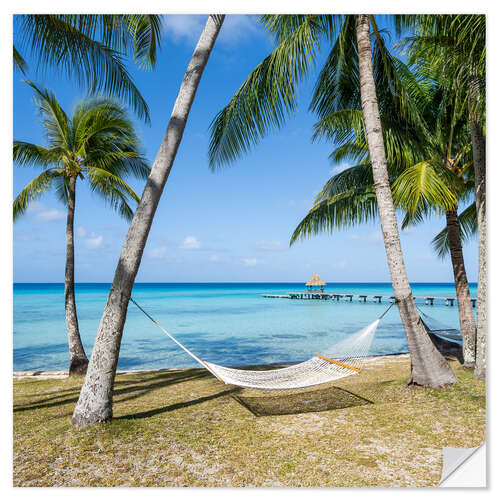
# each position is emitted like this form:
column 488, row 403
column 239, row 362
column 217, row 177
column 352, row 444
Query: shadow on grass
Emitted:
column 132, row 390
column 176, row 406
column 330, row 398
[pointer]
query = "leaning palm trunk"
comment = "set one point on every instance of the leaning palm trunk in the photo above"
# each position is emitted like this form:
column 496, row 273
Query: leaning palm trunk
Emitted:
column 77, row 356
column 428, row 367
column 95, row 402
column 466, row 314
column 479, row 155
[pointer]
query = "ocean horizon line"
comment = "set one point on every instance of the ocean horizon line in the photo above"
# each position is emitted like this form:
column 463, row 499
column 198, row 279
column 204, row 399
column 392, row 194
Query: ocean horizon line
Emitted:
column 231, row 282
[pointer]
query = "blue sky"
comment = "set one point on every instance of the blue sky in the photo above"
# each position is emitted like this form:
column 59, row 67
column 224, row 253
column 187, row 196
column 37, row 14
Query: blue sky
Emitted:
column 233, row 225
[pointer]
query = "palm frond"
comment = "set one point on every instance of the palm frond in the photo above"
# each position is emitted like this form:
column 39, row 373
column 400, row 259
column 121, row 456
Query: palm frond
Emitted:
column 145, row 32
column 120, row 163
column 420, row 186
column 65, row 42
column 115, row 192
column 266, row 97
column 346, row 209
column 19, row 62
column 55, row 121
column 467, row 220
column 103, row 180
column 27, row 154
column 346, row 199
column 39, row 185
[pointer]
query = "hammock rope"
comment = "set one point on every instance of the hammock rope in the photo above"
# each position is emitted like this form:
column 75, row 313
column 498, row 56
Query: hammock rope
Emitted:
column 344, row 359
column 440, row 329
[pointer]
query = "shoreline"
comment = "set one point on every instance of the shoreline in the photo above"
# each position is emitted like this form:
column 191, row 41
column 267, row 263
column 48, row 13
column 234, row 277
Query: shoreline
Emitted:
column 55, row 374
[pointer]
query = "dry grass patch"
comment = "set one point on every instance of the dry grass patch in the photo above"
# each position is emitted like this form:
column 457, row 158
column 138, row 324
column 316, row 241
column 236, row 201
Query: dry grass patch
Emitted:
column 183, row 428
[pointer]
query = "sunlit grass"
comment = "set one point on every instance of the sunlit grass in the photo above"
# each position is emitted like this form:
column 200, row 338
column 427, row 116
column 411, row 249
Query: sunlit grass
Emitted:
column 183, row 428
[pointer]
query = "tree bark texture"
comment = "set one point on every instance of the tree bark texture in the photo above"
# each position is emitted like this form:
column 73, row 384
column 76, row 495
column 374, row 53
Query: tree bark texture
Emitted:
column 479, row 156
column 428, row 366
column 95, row 402
column 466, row 314
column 77, row 356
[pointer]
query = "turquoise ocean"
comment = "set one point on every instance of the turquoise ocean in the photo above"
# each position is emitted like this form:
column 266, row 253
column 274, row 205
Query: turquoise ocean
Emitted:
column 225, row 323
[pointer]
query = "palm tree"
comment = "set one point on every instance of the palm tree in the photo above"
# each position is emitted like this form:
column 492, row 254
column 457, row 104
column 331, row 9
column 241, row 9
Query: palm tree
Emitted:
column 429, row 159
column 456, row 46
column 95, row 403
column 422, row 187
column 268, row 95
column 90, row 49
column 431, row 369
column 431, row 176
column 96, row 143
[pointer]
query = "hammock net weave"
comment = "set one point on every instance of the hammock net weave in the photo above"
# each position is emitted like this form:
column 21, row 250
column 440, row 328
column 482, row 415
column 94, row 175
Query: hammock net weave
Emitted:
column 440, row 329
column 342, row 360
column 346, row 358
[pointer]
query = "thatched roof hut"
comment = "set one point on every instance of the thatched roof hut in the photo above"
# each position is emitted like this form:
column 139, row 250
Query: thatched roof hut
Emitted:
column 315, row 280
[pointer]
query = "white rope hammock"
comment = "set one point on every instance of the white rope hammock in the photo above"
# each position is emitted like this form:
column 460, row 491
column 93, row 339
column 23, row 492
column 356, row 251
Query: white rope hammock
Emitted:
column 343, row 359
column 440, row 329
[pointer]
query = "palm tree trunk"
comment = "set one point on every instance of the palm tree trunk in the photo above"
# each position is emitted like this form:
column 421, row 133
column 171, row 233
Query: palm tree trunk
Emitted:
column 466, row 314
column 95, row 402
column 479, row 156
column 428, row 367
column 78, row 358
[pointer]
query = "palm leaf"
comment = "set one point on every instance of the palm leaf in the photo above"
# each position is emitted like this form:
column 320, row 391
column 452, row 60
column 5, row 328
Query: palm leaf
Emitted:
column 105, row 182
column 32, row 191
column 420, row 186
column 55, row 120
column 467, row 220
column 29, row 154
column 19, row 62
column 65, row 42
column 354, row 206
column 115, row 192
column 267, row 96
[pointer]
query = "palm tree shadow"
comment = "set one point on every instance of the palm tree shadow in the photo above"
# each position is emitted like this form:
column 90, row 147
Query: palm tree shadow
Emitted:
column 125, row 390
column 176, row 406
column 330, row 398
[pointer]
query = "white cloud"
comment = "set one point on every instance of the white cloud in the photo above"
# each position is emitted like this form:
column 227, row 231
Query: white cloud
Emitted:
column 268, row 246
column 214, row 258
column 375, row 236
column 340, row 265
column 339, row 168
column 184, row 27
column 25, row 236
column 93, row 241
column 427, row 256
column 50, row 215
column 41, row 212
column 372, row 237
column 237, row 28
column 190, row 243
column 187, row 28
column 157, row 253
column 81, row 232
column 250, row 262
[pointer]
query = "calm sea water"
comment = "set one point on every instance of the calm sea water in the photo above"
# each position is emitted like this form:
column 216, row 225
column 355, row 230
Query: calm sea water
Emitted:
column 226, row 323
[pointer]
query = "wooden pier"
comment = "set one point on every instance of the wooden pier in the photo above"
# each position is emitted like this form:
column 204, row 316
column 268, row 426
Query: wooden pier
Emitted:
column 348, row 297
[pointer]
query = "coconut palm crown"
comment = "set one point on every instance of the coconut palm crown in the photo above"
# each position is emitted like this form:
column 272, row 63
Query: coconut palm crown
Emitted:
column 97, row 144
column 90, row 49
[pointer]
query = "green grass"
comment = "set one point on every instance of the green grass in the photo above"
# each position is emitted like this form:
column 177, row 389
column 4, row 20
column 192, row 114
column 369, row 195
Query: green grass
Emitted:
column 184, row 428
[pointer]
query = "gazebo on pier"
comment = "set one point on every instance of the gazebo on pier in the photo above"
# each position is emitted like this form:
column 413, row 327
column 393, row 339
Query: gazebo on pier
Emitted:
column 316, row 281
